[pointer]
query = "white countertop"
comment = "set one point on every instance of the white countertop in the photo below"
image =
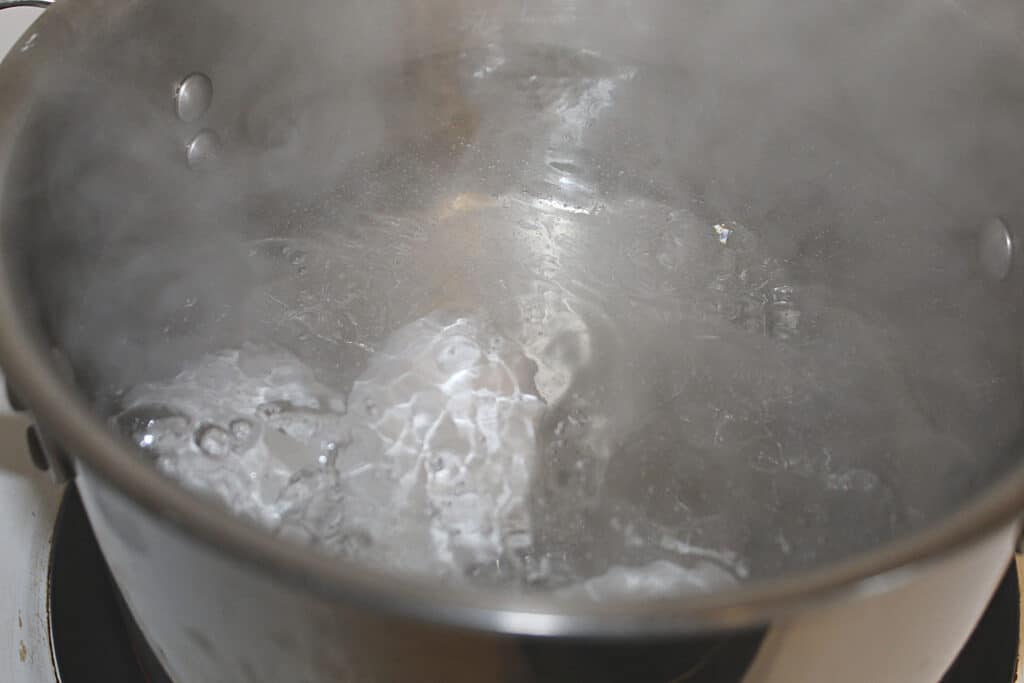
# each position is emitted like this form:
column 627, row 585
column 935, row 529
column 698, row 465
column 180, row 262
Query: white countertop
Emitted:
column 28, row 504
column 13, row 23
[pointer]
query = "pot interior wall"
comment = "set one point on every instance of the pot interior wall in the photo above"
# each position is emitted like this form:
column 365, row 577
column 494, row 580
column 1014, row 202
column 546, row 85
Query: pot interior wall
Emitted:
column 857, row 146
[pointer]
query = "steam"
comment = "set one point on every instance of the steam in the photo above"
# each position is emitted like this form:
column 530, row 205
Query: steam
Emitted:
column 859, row 143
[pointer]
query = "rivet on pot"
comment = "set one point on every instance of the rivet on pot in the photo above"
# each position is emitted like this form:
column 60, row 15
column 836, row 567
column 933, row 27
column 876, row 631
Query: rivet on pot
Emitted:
column 193, row 97
column 995, row 249
column 203, row 149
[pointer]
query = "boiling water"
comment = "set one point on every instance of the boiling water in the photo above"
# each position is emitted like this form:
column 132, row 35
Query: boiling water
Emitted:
column 425, row 467
column 517, row 352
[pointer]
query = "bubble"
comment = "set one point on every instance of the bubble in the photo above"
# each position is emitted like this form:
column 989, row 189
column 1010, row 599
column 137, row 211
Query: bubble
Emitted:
column 270, row 409
column 212, row 440
column 296, row 257
column 154, row 426
column 457, row 353
column 243, row 430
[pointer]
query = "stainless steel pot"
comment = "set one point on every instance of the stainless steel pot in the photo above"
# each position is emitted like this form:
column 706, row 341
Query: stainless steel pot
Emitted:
column 894, row 123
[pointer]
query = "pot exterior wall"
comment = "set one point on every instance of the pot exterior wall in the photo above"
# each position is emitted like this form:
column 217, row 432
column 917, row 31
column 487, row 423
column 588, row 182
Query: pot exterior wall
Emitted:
column 909, row 634
column 213, row 619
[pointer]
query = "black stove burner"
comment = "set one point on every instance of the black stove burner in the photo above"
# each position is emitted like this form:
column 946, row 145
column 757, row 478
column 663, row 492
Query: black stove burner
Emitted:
column 94, row 638
column 992, row 651
column 92, row 634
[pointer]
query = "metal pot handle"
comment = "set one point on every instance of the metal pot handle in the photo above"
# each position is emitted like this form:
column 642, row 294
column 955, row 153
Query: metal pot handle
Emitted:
column 41, row 4
column 46, row 454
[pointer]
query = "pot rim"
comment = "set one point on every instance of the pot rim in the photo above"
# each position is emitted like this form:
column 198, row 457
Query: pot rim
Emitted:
column 66, row 416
